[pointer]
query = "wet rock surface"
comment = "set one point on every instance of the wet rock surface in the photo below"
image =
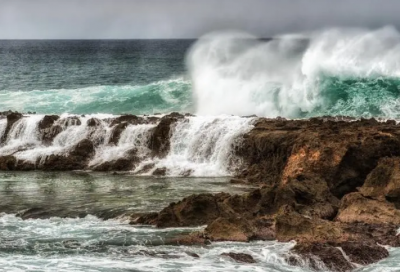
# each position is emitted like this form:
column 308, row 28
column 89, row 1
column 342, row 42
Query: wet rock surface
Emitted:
column 330, row 184
column 240, row 257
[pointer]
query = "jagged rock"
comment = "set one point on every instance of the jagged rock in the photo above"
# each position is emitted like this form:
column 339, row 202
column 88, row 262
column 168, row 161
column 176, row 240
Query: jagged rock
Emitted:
column 320, row 256
column 12, row 118
column 364, row 253
column 93, row 122
column 71, row 121
column 290, row 225
column 230, row 229
column 159, row 141
column 48, row 121
column 192, row 254
column 76, row 159
column 122, row 164
column 129, row 119
column 278, row 150
column 116, row 133
column 384, row 181
column 195, row 210
column 160, row 171
column 7, row 163
column 240, row 257
column 48, row 134
column 356, row 208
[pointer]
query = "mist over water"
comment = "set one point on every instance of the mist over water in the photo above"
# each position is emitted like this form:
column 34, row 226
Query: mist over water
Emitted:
column 353, row 72
column 350, row 72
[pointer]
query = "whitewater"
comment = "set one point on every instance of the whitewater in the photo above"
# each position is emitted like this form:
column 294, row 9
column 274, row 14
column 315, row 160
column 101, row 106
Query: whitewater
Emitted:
column 223, row 80
column 348, row 72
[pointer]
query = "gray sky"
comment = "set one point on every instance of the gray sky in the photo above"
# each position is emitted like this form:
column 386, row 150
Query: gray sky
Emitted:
column 114, row 19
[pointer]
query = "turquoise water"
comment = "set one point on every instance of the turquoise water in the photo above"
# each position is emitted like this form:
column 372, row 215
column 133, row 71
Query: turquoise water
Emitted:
column 161, row 76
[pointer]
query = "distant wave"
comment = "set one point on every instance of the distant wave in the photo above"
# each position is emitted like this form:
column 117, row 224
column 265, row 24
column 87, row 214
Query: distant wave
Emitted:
column 157, row 97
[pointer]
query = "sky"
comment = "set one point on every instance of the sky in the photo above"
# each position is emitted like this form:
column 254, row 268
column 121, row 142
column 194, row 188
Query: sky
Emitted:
column 152, row 19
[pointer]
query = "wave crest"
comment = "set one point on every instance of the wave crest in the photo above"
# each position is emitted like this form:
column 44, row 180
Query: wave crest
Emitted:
column 157, row 97
column 350, row 72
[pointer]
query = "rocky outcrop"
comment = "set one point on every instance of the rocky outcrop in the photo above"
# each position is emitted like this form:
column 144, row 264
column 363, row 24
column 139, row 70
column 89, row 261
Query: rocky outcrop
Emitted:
column 76, row 159
column 12, row 118
column 332, row 186
column 240, row 257
column 160, row 138
column 93, row 130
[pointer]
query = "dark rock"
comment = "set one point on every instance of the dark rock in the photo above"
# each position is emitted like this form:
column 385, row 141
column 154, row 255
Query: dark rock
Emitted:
column 160, row 138
column 70, row 121
column 240, row 257
column 160, row 172
column 12, row 118
column 230, row 229
column 76, row 159
column 129, row 119
column 48, row 121
column 8, row 163
column 116, row 133
column 195, row 210
column 93, row 122
column 315, row 253
column 48, row 134
column 192, row 254
column 364, row 253
column 356, row 208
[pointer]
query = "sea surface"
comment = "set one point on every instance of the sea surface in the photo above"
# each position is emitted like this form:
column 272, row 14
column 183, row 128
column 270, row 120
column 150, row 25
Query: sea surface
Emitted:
column 218, row 78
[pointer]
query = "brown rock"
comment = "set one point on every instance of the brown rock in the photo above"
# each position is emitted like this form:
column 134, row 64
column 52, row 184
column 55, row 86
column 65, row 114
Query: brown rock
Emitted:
column 160, row 171
column 195, row 210
column 356, row 208
column 240, row 257
column 290, row 225
column 320, row 256
column 384, row 181
column 12, row 118
column 7, row 163
column 159, row 141
column 230, row 229
column 48, row 121
column 364, row 253
column 76, row 159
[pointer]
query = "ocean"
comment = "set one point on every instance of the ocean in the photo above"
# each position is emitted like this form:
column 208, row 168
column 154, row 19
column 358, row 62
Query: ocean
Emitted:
column 219, row 79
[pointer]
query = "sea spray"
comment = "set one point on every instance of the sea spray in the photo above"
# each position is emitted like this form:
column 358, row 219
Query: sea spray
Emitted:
column 199, row 145
column 204, row 146
column 351, row 72
column 133, row 139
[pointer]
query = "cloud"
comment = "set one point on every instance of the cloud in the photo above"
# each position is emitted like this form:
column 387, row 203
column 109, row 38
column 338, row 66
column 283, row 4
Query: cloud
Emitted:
column 79, row 19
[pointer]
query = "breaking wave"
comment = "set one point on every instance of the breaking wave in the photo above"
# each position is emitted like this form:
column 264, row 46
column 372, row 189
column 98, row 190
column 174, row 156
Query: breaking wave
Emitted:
column 348, row 72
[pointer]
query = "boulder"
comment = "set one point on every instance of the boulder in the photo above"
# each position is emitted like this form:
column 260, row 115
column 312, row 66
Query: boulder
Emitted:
column 355, row 207
column 240, row 257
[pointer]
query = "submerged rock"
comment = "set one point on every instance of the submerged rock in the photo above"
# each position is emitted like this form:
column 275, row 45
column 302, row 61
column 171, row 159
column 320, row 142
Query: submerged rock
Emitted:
column 240, row 257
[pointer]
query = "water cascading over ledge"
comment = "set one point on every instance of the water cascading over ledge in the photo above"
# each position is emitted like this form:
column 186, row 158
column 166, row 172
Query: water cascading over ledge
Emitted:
column 173, row 145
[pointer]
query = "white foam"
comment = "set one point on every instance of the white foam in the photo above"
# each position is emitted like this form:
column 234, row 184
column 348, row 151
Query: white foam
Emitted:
column 234, row 73
column 204, row 146
column 133, row 137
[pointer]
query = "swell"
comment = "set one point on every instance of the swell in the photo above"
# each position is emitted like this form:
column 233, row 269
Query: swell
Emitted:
column 349, row 72
column 157, row 97
column 170, row 145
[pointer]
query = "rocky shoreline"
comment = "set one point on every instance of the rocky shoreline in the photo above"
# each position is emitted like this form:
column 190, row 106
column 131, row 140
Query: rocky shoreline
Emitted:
column 330, row 184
